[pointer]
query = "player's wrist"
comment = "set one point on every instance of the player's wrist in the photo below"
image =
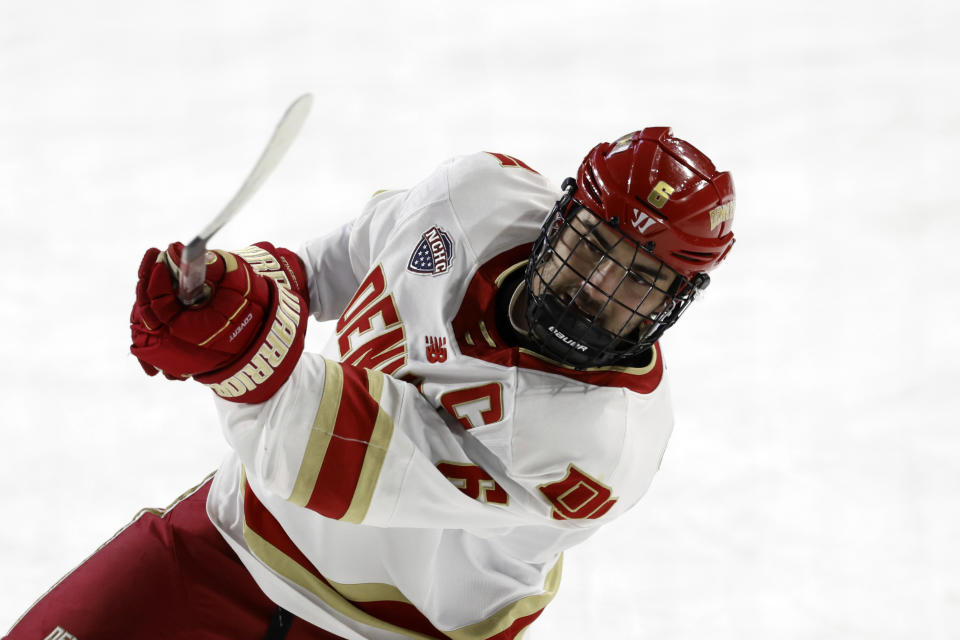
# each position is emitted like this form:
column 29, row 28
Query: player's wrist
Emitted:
column 256, row 374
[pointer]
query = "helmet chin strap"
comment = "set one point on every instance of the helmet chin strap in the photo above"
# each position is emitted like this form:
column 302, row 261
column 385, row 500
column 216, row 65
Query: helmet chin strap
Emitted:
column 517, row 309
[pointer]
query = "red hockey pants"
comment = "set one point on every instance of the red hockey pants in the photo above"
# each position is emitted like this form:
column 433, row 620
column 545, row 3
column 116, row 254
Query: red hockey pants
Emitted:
column 167, row 575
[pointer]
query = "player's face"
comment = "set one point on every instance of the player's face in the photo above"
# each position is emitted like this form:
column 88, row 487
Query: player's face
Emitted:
column 605, row 275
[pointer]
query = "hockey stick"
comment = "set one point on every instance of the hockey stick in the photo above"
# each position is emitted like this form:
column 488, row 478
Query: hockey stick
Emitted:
column 193, row 266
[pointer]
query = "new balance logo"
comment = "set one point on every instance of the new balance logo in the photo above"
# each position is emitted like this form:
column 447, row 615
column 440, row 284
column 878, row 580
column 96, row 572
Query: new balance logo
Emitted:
column 436, row 349
column 60, row 634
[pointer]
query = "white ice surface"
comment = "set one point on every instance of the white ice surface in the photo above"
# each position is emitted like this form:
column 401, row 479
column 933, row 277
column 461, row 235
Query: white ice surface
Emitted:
column 811, row 487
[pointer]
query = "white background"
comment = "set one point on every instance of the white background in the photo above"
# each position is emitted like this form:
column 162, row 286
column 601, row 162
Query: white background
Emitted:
column 811, row 486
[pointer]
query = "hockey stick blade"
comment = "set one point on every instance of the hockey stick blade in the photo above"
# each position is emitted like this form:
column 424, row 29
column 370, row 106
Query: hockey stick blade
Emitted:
column 193, row 267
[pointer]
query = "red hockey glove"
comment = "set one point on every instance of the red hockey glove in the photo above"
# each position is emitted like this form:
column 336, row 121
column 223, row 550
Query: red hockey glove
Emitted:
column 243, row 341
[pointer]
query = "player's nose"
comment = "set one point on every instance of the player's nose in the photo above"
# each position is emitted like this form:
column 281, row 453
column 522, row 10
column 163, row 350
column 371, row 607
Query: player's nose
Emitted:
column 604, row 279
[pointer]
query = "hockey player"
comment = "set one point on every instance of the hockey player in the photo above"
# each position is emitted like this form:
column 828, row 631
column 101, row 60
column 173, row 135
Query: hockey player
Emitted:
column 494, row 393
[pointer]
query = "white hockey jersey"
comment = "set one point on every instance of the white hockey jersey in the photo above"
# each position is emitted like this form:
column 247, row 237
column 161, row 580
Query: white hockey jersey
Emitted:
column 424, row 478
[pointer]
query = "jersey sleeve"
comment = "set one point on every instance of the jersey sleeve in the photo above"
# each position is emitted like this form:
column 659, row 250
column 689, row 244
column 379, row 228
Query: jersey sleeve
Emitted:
column 498, row 202
column 330, row 273
column 337, row 262
column 356, row 445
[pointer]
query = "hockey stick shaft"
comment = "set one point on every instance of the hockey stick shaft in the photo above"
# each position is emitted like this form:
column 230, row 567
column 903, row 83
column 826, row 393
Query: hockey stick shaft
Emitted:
column 193, row 267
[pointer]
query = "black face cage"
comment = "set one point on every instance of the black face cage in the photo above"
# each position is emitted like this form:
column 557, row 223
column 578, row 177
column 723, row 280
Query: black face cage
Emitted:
column 567, row 324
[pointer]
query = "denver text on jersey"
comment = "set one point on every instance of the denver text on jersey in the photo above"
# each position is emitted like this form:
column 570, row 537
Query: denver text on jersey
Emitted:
column 494, row 392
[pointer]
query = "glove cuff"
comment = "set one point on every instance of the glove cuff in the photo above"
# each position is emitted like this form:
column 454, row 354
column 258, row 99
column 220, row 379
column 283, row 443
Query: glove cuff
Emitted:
column 272, row 356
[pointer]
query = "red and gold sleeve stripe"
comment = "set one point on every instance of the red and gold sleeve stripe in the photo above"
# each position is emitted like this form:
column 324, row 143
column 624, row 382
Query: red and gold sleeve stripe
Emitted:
column 382, row 606
column 347, row 445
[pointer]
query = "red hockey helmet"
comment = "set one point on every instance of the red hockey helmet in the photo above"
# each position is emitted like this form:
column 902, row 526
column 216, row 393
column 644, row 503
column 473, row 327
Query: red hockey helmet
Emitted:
column 656, row 188
column 627, row 248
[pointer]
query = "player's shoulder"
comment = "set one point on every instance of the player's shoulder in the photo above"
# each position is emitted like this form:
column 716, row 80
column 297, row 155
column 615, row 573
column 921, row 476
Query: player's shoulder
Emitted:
column 486, row 170
column 498, row 200
column 475, row 180
column 490, row 161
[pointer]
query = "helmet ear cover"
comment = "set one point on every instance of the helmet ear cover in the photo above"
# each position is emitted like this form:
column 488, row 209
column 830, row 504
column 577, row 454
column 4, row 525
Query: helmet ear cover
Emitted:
column 557, row 321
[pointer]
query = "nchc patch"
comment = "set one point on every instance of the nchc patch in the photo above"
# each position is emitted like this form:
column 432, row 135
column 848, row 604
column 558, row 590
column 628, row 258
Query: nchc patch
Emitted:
column 433, row 254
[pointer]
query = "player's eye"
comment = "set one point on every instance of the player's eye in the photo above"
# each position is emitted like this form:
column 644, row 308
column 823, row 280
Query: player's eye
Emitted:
column 639, row 278
column 592, row 247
